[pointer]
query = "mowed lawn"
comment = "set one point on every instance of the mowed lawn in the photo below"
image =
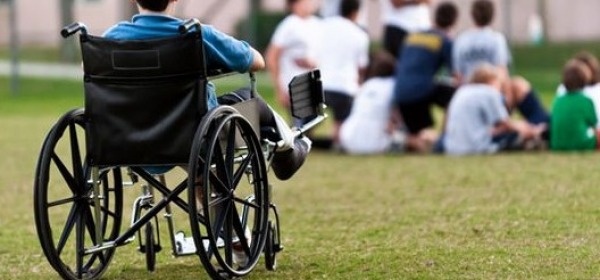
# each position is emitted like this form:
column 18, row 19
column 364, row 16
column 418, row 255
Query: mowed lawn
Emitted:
column 508, row 216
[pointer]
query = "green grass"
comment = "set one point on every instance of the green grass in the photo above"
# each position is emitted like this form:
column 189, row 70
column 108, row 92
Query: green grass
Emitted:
column 507, row 216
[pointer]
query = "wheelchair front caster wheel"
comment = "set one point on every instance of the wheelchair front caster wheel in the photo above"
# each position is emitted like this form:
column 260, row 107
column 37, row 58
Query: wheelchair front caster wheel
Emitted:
column 270, row 248
column 150, row 247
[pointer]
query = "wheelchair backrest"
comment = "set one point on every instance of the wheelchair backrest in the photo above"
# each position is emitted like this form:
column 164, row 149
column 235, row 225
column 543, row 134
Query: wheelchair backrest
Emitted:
column 144, row 99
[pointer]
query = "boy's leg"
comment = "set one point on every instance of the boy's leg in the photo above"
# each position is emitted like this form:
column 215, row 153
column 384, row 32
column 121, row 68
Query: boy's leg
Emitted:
column 341, row 104
column 508, row 141
column 292, row 152
column 418, row 121
column 528, row 103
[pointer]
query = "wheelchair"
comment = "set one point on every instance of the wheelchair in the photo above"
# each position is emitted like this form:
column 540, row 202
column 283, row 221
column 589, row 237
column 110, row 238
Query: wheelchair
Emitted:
column 145, row 115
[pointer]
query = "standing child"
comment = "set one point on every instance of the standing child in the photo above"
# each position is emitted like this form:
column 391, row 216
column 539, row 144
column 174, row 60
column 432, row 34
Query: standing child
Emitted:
column 402, row 17
column 293, row 47
column 343, row 57
column 573, row 123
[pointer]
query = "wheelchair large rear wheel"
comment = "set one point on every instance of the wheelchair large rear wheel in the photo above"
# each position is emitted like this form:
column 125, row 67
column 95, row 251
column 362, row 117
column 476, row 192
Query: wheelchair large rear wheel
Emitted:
column 63, row 204
column 228, row 189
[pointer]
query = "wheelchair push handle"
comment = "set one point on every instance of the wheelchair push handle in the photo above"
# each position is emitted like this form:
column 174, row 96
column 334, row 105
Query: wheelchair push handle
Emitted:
column 72, row 29
column 188, row 25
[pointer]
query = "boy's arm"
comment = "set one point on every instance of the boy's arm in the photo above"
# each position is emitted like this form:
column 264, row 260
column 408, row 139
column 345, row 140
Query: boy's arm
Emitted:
column 502, row 126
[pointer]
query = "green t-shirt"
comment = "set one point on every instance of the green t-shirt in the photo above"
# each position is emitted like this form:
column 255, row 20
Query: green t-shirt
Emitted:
column 573, row 122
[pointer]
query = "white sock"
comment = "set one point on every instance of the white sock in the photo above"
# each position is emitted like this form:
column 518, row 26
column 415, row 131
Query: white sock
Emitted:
column 285, row 132
column 308, row 142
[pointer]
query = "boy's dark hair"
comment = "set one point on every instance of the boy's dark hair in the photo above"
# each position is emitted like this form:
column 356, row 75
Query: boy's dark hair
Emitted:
column 383, row 64
column 576, row 75
column 482, row 12
column 289, row 4
column 592, row 62
column 154, row 5
column 348, row 7
column 446, row 14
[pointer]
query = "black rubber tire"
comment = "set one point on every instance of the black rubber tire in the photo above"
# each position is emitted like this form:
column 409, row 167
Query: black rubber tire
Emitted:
column 224, row 192
column 150, row 249
column 64, row 217
column 270, row 253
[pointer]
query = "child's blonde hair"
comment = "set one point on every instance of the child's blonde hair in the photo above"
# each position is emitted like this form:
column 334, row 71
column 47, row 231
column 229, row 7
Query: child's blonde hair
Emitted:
column 485, row 73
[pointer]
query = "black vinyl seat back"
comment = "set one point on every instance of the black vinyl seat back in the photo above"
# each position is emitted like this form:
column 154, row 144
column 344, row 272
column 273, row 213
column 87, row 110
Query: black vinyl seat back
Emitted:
column 144, row 99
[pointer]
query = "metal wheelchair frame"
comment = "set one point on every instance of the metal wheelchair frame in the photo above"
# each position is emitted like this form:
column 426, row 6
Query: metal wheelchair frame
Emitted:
column 225, row 149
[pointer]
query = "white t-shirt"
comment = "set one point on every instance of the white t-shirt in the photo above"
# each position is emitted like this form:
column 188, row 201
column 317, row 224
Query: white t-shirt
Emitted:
column 479, row 45
column 472, row 113
column 298, row 38
column 592, row 92
column 412, row 18
column 343, row 50
column 363, row 132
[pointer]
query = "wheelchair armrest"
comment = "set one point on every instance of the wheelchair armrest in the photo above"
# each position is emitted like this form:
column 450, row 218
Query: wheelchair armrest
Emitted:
column 219, row 72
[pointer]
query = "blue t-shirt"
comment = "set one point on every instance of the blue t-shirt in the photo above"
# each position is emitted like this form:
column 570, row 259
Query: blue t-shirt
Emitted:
column 221, row 50
column 423, row 55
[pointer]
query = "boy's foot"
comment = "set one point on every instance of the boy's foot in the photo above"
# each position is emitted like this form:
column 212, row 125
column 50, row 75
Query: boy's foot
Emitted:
column 239, row 256
column 286, row 163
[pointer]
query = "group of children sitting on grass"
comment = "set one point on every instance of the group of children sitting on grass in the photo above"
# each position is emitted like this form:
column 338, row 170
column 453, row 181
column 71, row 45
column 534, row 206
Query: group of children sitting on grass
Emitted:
column 478, row 120
column 393, row 107
column 478, row 105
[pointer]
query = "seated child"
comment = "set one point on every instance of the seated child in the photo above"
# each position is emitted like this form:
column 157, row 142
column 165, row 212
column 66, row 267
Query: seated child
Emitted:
column 155, row 20
column 478, row 121
column 592, row 89
column 574, row 121
column 371, row 126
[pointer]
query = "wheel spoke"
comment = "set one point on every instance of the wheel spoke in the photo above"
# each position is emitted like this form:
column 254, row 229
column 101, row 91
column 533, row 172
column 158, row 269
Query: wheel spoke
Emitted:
column 69, row 179
column 239, row 173
column 61, row 201
column 240, row 231
column 68, row 228
column 230, row 149
column 221, row 167
column 89, row 223
column 214, row 179
column 76, row 154
column 79, row 243
column 246, row 202
column 228, row 238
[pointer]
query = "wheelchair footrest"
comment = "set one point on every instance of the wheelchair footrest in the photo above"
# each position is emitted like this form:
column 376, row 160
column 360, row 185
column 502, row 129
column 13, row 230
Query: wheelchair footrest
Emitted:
column 306, row 94
column 184, row 245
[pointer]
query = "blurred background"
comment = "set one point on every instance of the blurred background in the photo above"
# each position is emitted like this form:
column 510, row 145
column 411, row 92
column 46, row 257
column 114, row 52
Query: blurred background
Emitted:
column 37, row 23
column 29, row 29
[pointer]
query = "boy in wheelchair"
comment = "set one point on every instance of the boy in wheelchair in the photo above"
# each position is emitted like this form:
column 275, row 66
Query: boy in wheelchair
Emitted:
column 222, row 51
